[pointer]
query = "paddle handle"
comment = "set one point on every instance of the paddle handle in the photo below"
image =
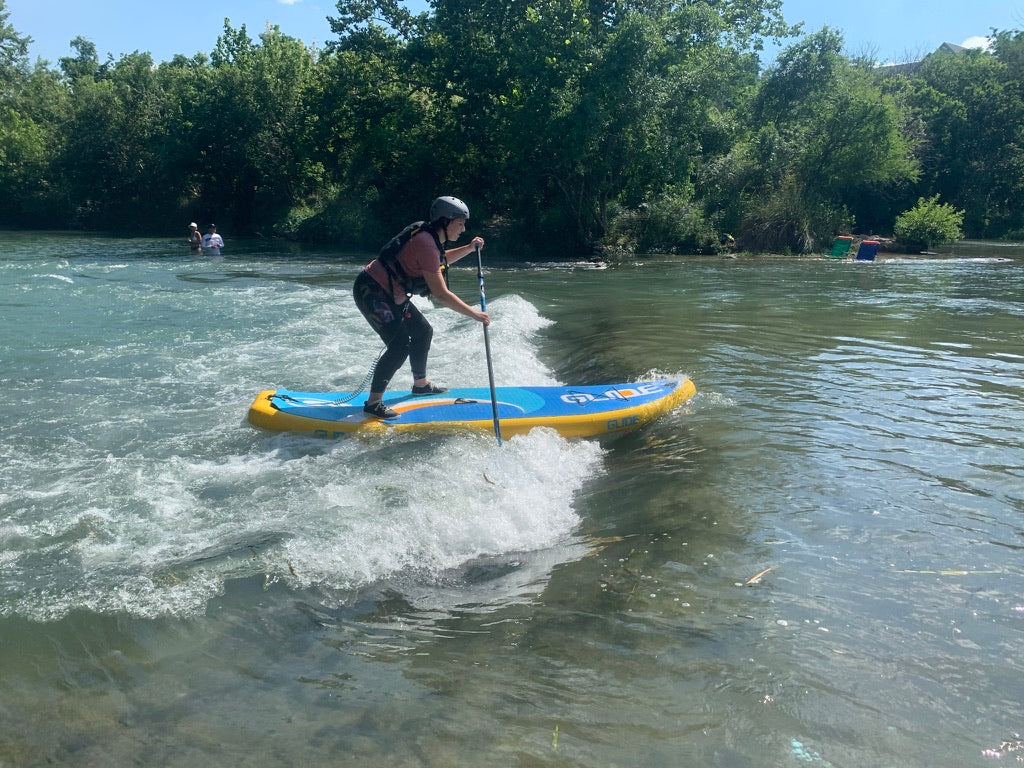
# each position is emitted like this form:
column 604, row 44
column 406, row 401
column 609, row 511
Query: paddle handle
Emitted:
column 487, row 346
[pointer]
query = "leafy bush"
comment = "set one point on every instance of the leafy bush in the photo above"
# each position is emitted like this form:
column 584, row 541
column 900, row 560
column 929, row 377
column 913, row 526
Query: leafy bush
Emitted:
column 786, row 220
column 929, row 223
column 672, row 223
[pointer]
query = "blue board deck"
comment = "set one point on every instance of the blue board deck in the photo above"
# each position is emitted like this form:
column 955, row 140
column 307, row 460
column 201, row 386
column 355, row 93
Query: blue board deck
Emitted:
column 582, row 411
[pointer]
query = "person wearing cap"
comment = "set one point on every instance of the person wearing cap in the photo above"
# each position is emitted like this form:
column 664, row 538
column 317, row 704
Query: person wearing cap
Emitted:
column 212, row 242
column 195, row 239
column 383, row 292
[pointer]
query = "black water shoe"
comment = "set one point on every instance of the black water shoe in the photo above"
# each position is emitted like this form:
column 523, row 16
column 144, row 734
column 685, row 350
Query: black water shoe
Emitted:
column 380, row 410
column 428, row 389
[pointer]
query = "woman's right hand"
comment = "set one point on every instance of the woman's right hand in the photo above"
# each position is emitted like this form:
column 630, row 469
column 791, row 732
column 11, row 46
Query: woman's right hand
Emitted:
column 482, row 317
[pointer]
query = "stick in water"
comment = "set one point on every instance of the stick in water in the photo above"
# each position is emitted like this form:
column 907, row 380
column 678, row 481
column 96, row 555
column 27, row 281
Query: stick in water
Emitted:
column 487, row 346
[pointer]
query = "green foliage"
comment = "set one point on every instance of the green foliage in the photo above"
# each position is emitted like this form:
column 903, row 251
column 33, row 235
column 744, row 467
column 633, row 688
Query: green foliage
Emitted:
column 787, row 220
column 822, row 132
column 929, row 223
column 22, row 149
column 575, row 124
column 253, row 152
column 972, row 108
column 556, row 113
column 84, row 64
column 13, row 48
column 673, row 223
column 24, row 130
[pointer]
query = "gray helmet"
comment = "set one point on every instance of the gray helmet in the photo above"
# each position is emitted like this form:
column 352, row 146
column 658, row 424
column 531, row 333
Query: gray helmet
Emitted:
column 448, row 208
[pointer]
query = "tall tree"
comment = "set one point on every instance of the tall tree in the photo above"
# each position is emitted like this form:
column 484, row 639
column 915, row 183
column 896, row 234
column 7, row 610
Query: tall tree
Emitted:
column 822, row 130
column 252, row 148
column 972, row 104
column 84, row 64
column 18, row 137
column 552, row 111
column 114, row 144
column 30, row 102
column 13, row 48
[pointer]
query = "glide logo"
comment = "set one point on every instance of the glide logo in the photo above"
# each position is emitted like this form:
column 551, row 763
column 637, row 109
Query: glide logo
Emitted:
column 624, row 423
column 611, row 395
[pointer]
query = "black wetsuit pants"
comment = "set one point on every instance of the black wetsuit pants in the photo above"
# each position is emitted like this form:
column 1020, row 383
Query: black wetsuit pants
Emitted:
column 403, row 329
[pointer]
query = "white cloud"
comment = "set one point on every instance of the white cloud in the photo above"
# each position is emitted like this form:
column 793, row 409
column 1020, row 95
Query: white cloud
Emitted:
column 289, row 2
column 977, row 41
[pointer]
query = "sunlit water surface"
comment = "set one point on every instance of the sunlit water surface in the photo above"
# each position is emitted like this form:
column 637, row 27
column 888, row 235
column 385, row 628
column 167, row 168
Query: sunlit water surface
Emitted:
column 816, row 561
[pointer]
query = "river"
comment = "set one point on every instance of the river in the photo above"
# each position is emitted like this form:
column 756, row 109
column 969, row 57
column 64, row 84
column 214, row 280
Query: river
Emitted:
column 814, row 562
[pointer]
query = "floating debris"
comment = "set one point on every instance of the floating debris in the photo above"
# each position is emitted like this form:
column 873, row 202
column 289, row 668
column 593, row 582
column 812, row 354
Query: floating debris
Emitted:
column 755, row 580
column 597, row 544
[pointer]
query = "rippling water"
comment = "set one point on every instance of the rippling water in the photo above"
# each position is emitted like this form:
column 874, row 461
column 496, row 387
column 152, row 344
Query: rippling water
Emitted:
column 815, row 561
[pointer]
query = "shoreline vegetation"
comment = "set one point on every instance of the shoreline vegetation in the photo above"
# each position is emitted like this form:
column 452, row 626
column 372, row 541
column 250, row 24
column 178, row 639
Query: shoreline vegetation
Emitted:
column 253, row 245
column 566, row 128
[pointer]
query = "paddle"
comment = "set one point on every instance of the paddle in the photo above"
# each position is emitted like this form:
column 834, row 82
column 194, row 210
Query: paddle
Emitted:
column 487, row 345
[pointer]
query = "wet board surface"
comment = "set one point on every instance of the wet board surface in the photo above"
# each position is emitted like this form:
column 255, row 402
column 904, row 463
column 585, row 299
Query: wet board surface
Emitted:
column 573, row 411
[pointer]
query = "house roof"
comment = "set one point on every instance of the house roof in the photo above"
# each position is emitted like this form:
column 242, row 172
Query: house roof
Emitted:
column 909, row 68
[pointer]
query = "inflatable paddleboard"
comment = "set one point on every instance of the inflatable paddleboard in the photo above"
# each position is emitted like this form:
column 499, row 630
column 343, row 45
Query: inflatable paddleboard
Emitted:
column 588, row 411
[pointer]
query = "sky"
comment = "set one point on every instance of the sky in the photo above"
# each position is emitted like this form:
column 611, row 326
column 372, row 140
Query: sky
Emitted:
column 887, row 30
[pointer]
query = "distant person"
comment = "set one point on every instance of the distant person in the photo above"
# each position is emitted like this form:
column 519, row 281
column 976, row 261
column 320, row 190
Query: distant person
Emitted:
column 195, row 239
column 384, row 289
column 212, row 242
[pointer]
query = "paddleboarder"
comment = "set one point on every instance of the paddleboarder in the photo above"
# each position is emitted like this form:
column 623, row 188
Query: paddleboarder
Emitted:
column 413, row 262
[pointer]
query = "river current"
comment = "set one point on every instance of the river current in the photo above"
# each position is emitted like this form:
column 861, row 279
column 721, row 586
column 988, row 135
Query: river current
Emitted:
column 814, row 562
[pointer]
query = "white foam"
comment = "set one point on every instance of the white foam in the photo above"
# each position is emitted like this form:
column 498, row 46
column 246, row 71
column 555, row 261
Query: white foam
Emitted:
column 163, row 493
column 442, row 505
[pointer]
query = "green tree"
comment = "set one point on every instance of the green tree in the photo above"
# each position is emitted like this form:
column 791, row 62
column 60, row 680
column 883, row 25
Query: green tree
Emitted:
column 822, row 133
column 555, row 114
column 971, row 104
column 22, row 159
column 379, row 130
column 603, row 108
column 186, row 85
column 635, row 124
column 20, row 139
column 252, row 153
column 111, row 159
column 13, row 49
column 1008, row 215
column 84, row 64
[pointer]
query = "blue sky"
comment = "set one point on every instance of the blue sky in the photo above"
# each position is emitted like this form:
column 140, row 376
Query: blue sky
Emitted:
column 889, row 30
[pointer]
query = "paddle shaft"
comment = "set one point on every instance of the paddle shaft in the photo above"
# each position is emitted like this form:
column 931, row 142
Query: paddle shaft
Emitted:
column 487, row 345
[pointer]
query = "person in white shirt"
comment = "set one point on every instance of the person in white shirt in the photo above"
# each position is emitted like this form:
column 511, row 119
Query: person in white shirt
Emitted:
column 212, row 242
